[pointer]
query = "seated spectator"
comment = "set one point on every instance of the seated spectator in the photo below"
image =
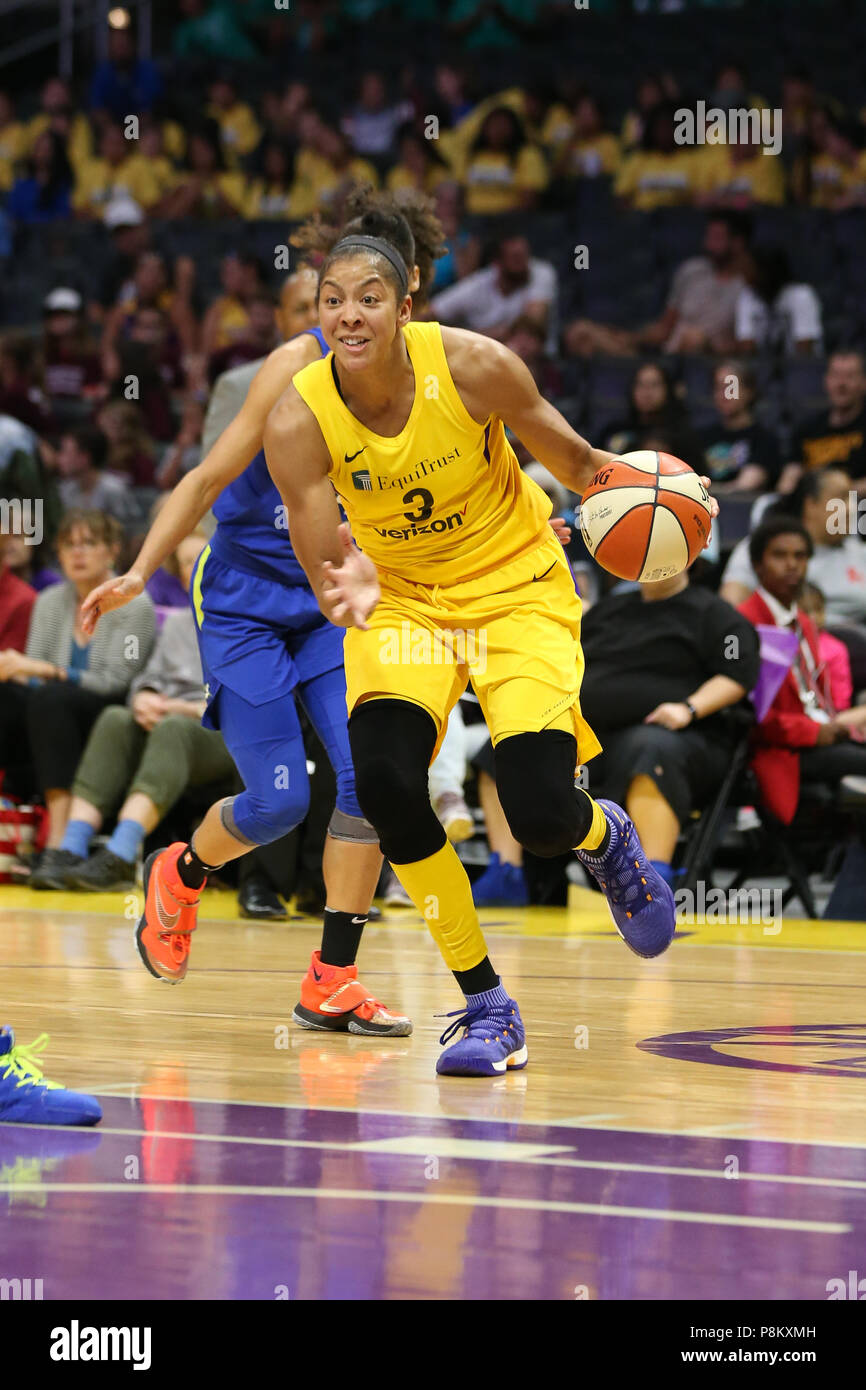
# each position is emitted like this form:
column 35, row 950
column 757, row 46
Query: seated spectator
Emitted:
column 837, row 558
column 57, row 114
column 526, row 338
column 227, row 320
column 130, row 450
column 836, row 437
column 16, row 602
column 256, row 342
column 700, row 314
column 24, row 476
column 803, row 737
column 21, row 392
column 13, row 141
column 829, row 170
column 130, row 237
column 72, row 370
column 123, row 82
column 141, row 757
column 661, row 669
column 211, row 31
column 151, row 356
column 649, row 93
column 206, row 188
column 239, row 130
column 84, row 484
column 271, row 193
column 846, row 144
column 502, row 171
column 45, row 191
column 661, row 174
column 515, row 285
column 834, row 656
column 462, row 251
column 654, row 410
column 419, row 164
column 114, row 173
column 738, row 454
column 371, row 126
column 52, row 695
column 589, row 150
column 339, row 168
column 739, row 175
column 150, row 163
column 30, row 563
column 151, row 288
column 775, row 313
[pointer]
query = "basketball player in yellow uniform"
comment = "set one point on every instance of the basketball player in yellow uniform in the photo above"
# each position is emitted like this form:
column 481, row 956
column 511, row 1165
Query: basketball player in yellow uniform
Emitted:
column 457, row 577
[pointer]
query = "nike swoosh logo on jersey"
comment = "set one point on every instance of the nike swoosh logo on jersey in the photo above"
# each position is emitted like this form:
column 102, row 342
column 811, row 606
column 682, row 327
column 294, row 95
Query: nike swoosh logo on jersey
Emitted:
column 347, row 458
column 541, row 576
column 167, row 920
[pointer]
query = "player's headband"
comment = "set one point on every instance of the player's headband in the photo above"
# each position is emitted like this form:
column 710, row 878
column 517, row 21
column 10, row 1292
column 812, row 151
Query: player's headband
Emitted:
column 375, row 243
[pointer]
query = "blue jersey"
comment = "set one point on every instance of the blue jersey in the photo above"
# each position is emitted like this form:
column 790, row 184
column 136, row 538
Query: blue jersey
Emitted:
column 252, row 532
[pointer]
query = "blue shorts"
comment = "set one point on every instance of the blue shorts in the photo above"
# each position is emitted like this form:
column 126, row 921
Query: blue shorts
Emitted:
column 258, row 638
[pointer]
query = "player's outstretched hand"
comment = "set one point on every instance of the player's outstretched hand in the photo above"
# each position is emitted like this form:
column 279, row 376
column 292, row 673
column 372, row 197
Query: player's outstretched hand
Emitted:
column 114, row 593
column 561, row 529
column 714, row 509
column 350, row 592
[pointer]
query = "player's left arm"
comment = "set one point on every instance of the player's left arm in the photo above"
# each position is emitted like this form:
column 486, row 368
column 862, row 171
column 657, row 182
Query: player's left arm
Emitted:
column 492, row 380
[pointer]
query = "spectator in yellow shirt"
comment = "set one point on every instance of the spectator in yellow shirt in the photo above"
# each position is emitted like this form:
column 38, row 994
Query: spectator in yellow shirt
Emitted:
column 13, row 141
column 325, row 166
column 589, row 150
column 739, row 176
column 827, row 172
column 57, row 114
column 205, row 189
column 419, row 165
column 502, row 172
column 661, row 175
column 114, row 174
column 227, row 320
column 239, row 130
column 149, row 161
column 271, row 195
column 844, row 144
column 151, row 288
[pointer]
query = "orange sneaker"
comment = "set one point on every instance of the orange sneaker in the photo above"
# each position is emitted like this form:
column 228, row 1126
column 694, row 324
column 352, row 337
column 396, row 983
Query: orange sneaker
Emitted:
column 163, row 932
column 334, row 1001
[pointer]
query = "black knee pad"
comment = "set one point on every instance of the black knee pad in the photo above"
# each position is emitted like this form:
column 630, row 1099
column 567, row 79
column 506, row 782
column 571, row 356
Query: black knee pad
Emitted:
column 392, row 742
column 546, row 813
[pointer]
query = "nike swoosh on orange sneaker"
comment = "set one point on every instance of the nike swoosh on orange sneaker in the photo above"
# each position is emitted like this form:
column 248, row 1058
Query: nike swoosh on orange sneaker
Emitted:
column 167, row 920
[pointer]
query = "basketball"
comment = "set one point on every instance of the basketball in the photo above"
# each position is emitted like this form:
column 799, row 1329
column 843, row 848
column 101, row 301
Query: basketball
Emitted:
column 645, row 516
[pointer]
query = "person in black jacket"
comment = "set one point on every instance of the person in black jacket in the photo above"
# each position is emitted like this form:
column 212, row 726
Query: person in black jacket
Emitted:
column 665, row 665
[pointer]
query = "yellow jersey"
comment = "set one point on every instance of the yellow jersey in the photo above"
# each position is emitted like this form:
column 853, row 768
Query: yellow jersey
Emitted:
column 443, row 501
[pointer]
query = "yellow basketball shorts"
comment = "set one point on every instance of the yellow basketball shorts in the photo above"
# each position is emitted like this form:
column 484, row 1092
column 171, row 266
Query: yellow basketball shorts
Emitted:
column 515, row 634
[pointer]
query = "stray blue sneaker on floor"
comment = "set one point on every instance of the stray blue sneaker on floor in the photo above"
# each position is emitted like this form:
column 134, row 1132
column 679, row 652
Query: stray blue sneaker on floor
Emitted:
column 26, row 1098
column 641, row 903
column 493, row 1042
column 501, row 885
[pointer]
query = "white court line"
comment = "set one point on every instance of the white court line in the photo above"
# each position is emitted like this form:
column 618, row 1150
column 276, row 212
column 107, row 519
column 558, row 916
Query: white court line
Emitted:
column 492, row 1120
column 481, row 1150
column 700, row 1218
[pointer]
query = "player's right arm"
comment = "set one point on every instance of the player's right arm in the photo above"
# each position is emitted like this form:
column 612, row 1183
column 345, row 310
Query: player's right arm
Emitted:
column 198, row 490
column 343, row 580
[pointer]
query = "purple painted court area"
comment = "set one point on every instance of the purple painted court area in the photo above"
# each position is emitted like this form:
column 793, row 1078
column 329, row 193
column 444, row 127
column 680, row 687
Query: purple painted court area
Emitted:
column 220, row 1201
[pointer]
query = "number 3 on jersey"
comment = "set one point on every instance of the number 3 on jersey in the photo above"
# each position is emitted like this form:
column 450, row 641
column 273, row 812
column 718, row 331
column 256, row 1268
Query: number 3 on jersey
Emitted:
column 426, row 508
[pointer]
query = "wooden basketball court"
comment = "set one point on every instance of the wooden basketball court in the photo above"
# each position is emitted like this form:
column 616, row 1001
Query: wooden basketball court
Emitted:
column 689, row 1127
